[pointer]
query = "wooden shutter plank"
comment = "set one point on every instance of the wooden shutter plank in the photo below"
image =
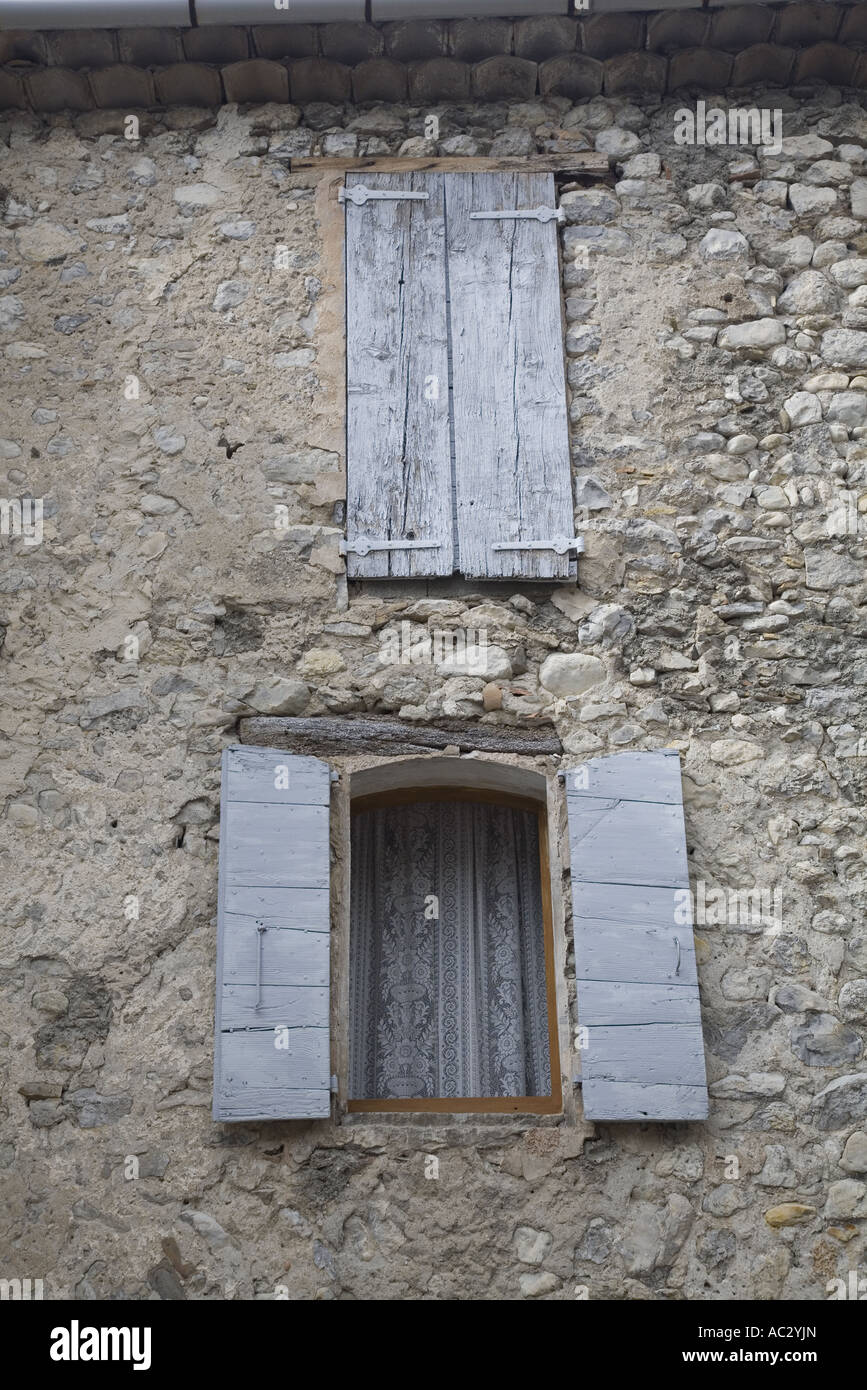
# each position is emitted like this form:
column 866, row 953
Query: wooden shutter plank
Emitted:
column 613, row 1003
column 280, row 907
column 289, row 957
column 625, row 1100
column 637, row 903
column 269, row 1102
column 251, row 1060
column 278, row 1003
column 512, row 458
column 272, row 987
column 633, row 953
column 399, row 470
column 653, row 832
column 634, row 949
column 290, row 780
column 259, row 835
column 632, row 779
column 652, row 1053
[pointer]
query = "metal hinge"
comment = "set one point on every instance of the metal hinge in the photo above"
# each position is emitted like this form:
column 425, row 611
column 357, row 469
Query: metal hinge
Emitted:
column 359, row 194
column 540, row 214
column 561, row 545
column 362, row 545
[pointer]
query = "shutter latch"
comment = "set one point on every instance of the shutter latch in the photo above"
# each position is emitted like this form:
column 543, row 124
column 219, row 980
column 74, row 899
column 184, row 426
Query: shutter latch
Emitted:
column 260, row 932
column 359, row 194
column 561, row 545
column 540, row 214
column 362, row 545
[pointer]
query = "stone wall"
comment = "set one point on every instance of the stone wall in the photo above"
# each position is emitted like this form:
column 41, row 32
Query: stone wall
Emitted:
column 717, row 362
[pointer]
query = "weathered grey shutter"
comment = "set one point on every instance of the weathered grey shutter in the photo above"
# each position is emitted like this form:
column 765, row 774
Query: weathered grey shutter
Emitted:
column 512, row 461
column 399, row 471
column 457, row 433
column 272, row 1057
column 634, row 949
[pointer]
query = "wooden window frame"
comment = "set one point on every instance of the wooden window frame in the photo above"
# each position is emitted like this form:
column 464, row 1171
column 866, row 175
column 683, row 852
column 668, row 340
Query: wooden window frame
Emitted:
column 499, row 1105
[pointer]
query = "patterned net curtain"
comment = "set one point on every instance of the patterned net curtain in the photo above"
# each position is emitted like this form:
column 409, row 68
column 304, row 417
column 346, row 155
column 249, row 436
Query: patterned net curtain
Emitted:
column 447, row 973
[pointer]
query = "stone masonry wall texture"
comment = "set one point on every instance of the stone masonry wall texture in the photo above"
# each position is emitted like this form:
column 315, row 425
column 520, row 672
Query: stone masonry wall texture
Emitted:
column 716, row 307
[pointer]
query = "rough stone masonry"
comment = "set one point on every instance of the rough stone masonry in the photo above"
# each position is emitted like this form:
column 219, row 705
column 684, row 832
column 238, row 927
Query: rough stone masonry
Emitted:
column 169, row 381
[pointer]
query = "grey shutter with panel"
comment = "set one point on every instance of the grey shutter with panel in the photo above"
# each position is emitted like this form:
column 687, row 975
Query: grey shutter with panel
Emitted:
column 437, row 301
column 271, row 1055
column 634, row 950
column 512, row 460
column 399, row 471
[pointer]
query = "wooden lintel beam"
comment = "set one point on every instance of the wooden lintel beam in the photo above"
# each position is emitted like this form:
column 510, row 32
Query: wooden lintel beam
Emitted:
column 585, row 162
column 348, row 735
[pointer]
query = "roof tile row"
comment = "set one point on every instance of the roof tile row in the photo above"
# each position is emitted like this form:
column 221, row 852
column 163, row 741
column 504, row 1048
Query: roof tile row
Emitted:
column 502, row 78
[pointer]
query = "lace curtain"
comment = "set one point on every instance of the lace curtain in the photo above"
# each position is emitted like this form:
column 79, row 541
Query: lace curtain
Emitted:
column 447, row 973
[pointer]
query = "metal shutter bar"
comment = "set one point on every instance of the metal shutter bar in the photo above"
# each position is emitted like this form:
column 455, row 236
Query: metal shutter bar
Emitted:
column 360, row 194
column 561, row 545
column 362, row 545
column 541, row 214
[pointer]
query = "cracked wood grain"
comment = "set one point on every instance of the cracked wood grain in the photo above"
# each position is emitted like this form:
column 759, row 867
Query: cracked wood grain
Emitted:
column 397, row 377
column 512, row 458
column 375, row 735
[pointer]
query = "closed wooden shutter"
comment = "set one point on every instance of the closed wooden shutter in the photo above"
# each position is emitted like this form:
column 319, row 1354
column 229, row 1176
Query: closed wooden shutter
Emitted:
column 399, row 468
column 634, row 952
column 272, row 1058
column 457, row 431
column 512, row 460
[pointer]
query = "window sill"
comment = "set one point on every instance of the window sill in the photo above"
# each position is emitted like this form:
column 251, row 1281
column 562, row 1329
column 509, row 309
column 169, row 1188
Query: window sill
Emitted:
column 451, row 1127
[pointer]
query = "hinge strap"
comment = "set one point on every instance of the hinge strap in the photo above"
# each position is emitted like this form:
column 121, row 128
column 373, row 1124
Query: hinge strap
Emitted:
column 359, row 193
column 362, row 545
column 561, row 545
column 540, row 214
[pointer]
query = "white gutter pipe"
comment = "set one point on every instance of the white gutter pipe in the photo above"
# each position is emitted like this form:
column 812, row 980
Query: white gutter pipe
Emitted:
column 186, row 14
column 94, row 14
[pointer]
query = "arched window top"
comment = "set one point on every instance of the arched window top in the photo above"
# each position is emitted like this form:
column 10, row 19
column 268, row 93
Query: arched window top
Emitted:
column 468, row 773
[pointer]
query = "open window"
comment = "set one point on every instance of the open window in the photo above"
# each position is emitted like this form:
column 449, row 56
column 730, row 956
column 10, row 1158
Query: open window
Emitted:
column 452, row 998
column 447, row 999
